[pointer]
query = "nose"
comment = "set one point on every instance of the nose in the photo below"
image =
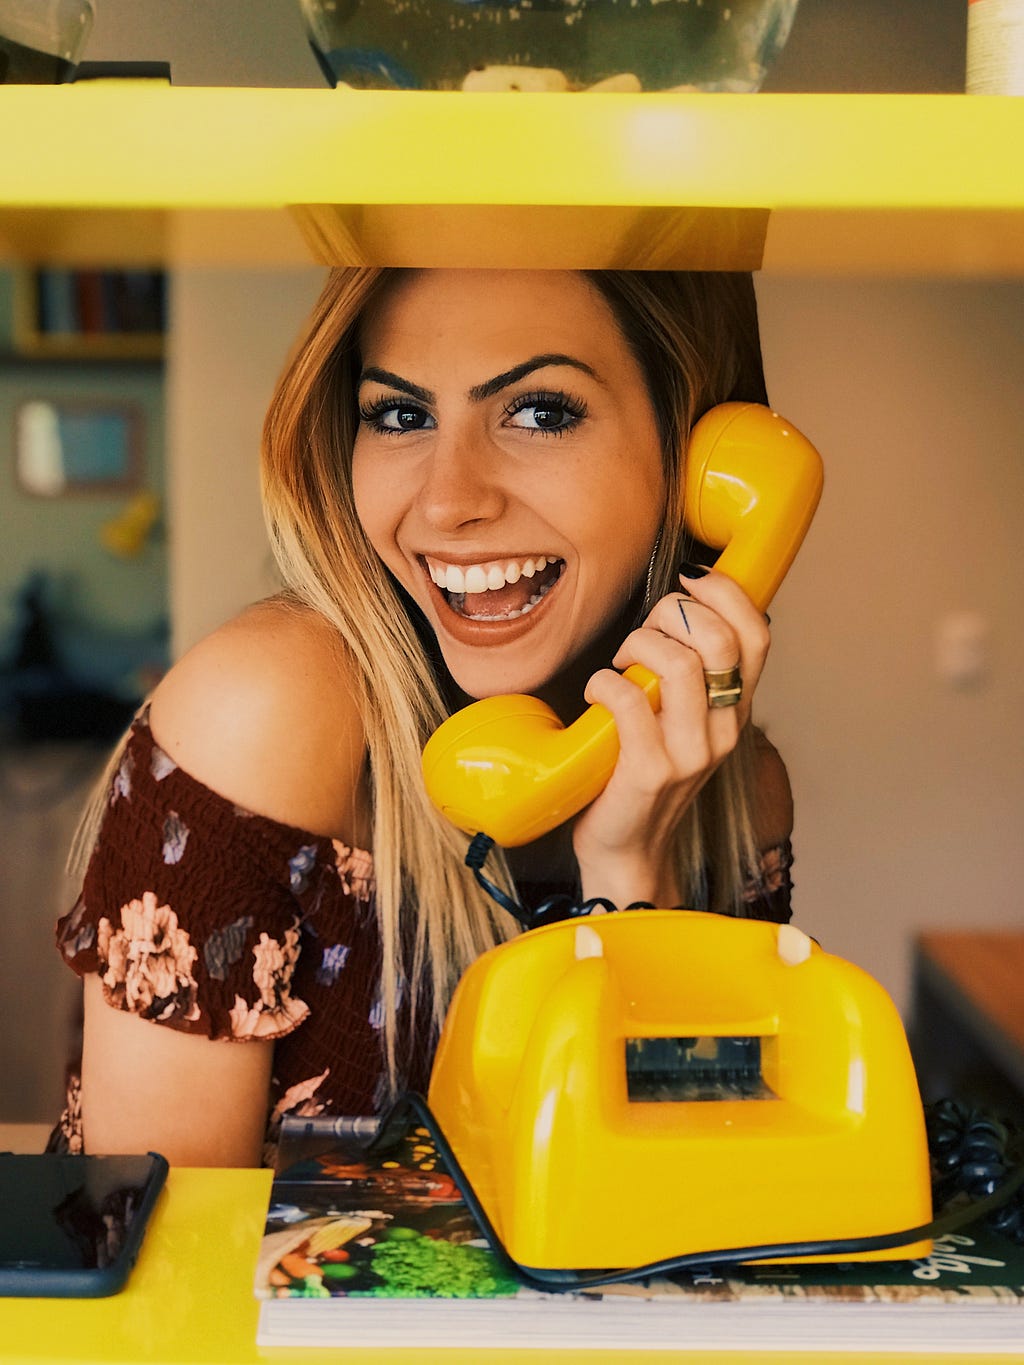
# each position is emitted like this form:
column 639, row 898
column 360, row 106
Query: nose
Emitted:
column 461, row 486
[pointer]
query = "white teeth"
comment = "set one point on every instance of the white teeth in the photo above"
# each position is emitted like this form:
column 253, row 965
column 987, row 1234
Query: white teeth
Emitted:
column 457, row 579
column 512, row 615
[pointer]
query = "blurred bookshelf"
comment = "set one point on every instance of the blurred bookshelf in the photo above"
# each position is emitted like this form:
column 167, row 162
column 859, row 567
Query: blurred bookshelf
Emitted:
column 88, row 315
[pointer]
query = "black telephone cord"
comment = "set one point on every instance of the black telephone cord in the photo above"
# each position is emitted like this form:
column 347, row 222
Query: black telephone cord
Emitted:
column 395, row 1123
column 550, row 911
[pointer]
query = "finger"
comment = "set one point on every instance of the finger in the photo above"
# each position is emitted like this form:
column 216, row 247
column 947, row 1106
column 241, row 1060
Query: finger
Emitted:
column 728, row 600
column 693, row 624
column 695, row 735
column 723, row 658
column 642, row 754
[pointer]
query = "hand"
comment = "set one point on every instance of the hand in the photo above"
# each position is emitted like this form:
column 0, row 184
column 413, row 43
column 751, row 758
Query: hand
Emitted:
column 623, row 841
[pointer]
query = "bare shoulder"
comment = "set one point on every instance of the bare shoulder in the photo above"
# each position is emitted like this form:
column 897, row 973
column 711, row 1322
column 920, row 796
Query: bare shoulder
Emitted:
column 773, row 808
column 263, row 711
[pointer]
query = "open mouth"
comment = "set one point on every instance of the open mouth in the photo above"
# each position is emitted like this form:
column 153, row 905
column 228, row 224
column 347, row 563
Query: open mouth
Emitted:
column 498, row 590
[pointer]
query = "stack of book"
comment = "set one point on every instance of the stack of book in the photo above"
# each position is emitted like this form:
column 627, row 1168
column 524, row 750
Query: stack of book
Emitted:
column 384, row 1252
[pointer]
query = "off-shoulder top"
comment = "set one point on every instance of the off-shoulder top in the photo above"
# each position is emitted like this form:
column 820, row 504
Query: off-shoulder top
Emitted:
column 204, row 917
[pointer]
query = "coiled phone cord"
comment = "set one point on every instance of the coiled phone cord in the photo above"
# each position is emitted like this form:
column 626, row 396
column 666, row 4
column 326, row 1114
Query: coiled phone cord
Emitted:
column 972, row 1154
column 558, row 907
column 961, row 1129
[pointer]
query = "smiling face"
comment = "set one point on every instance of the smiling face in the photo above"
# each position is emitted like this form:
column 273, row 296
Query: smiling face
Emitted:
column 507, row 466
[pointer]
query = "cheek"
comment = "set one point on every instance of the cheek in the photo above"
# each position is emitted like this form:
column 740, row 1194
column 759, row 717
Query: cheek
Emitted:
column 624, row 513
column 649, row 495
column 373, row 507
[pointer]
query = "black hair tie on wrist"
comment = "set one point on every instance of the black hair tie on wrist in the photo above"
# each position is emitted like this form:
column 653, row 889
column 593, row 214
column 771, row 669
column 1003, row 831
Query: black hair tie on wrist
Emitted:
column 551, row 911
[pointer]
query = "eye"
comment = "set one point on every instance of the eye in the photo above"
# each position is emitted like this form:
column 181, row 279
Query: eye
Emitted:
column 552, row 414
column 390, row 415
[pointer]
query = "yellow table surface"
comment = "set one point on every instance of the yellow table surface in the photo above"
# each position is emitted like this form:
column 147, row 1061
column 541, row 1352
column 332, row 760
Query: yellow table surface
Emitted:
column 190, row 1299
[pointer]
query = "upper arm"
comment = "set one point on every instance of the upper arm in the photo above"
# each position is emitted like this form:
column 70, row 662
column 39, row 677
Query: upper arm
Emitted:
column 197, row 1101
column 263, row 712
column 259, row 714
column 768, row 893
column 773, row 796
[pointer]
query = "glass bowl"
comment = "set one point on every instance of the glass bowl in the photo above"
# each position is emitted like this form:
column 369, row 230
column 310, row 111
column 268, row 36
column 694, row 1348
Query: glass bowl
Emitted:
column 41, row 41
column 548, row 45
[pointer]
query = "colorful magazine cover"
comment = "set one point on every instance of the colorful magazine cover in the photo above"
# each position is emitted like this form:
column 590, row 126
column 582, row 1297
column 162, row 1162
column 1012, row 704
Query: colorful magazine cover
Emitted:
column 340, row 1224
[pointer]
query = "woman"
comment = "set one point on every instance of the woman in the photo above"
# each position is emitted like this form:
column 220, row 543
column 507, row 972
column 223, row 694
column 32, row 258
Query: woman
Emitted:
column 472, row 482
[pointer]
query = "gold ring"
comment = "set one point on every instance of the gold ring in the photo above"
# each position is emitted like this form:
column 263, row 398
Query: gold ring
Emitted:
column 724, row 685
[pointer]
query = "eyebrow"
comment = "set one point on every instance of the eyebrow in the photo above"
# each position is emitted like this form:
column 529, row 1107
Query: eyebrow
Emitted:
column 517, row 372
column 395, row 381
column 479, row 391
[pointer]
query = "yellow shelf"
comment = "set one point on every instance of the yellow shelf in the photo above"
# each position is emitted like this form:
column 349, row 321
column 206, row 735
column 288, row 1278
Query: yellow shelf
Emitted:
column 795, row 183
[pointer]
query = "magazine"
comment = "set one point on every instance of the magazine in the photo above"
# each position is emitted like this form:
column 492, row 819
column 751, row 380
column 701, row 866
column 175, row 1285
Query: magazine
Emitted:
column 384, row 1252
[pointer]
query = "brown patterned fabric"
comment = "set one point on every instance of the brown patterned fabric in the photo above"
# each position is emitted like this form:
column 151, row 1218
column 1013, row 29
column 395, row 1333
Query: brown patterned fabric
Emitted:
column 769, row 894
column 206, row 918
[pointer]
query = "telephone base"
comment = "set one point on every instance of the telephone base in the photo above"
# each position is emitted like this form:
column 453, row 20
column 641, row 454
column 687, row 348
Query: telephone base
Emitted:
column 649, row 1084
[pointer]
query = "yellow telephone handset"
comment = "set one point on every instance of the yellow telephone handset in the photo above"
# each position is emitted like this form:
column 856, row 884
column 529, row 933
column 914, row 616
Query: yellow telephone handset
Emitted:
column 506, row 766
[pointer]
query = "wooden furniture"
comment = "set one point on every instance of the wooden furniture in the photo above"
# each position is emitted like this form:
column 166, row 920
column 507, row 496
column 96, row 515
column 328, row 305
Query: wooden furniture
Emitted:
column 967, row 1027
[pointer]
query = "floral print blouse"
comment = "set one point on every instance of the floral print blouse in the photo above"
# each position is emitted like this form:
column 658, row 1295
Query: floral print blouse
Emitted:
column 204, row 917
column 207, row 918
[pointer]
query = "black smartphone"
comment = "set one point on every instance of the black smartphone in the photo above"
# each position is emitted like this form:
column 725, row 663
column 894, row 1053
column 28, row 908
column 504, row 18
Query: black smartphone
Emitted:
column 72, row 1226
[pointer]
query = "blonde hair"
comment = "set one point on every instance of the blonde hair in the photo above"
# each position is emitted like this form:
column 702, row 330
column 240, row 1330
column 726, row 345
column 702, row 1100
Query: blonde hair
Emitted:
column 432, row 918
column 695, row 335
column 696, row 338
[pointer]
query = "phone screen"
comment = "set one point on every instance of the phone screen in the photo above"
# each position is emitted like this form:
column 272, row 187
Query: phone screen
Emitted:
column 73, row 1225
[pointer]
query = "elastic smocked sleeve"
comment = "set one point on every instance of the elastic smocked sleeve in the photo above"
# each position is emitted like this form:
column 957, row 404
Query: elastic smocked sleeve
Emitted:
column 191, row 909
column 768, row 893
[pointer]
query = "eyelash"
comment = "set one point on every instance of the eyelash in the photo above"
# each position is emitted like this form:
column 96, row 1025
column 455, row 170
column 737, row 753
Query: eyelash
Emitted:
column 575, row 408
column 371, row 414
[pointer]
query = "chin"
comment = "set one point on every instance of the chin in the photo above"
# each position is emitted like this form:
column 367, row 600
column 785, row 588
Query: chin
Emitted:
column 479, row 678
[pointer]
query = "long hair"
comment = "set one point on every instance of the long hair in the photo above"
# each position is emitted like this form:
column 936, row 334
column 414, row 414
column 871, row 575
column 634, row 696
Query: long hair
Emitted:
column 695, row 337
column 433, row 921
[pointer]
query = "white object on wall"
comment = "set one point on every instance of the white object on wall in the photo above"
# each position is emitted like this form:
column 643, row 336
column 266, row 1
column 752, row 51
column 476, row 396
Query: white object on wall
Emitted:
column 995, row 47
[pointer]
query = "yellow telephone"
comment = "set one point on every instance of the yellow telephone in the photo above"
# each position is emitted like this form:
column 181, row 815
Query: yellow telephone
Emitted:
column 655, row 1083
column 506, row 766
column 738, row 1086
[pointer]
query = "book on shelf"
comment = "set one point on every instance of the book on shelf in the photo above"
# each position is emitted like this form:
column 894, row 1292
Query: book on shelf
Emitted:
column 382, row 1251
column 98, row 303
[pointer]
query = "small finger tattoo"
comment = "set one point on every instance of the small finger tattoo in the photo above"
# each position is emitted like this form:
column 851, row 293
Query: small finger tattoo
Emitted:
column 682, row 613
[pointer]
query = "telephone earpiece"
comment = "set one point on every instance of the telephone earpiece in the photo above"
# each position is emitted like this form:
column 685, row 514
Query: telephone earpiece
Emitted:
column 506, row 766
column 751, row 487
